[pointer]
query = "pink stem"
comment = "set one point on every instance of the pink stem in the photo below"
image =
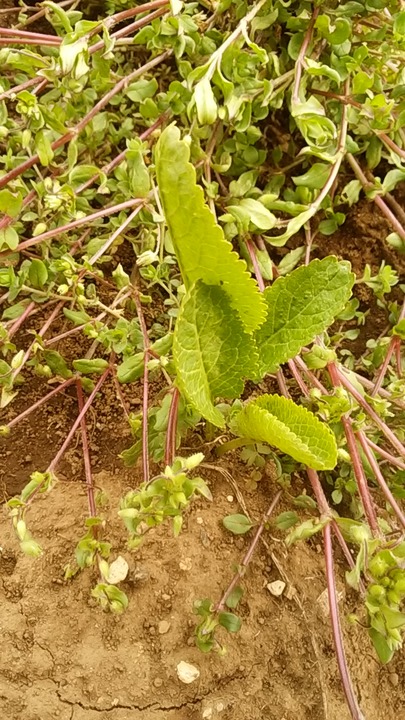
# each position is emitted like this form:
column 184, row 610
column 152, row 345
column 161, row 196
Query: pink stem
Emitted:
column 104, row 212
column 380, row 478
column 297, row 377
column 301, row 57
column 97, row 255
column 248, row 556
column 77, row 422
column 26, row 34
column 337, row 633
column 170, row 448
column 74, row 132
column 145, row 402
column 386, row 455
column 256, row 268
column 40, row 402
column 358, row 469
column 41, row 333
column 372, row 414
column 86, row 452
column 16, row 326
column 17, row 88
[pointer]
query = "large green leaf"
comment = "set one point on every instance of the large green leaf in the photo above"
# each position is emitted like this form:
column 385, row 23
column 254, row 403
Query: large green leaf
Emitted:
column 300, row 306
column 211, row 350
column 200, row 246
column 290, row 428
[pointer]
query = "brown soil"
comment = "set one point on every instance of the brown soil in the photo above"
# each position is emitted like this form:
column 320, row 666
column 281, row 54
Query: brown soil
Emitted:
column 64, row 658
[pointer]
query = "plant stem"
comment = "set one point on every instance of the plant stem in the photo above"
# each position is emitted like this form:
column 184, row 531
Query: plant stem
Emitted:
column 170, row 448
column 104, row 212
column 301, row 57
column 97, row 255
column 367, row 185
column 358, row 469
column 41, row 333
column 336, row 629
column 386, row 455
column 86, row 452
column 251, row 249
column 40, row 402
column 380, row 478
column 74, row 132
column 51, row 468
column 145, row 403
column 394, row 343
column 248, row 556
column 391, row 437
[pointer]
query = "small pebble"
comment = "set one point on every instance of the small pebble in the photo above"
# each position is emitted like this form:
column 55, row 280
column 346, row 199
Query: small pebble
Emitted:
column 261, row 621
column 200, row 521
column 220, row 706
column 158, row 682
column 187, row 673
column 186, row 564
column 276, row 588
column 163, row 627
column 207, row 714
column 394, row 679
column 229, row 498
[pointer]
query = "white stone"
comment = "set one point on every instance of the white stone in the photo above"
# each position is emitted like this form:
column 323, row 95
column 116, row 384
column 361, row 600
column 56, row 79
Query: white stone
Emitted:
column 118, row 571
column 187, row 673
column 276, row 588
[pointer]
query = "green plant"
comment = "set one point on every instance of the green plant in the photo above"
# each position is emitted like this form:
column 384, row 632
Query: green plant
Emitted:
column 202, row 206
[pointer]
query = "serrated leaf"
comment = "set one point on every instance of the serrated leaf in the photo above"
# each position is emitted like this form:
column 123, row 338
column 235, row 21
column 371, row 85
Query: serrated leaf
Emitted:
column 300, row 306
column 199, row 242
column 237, row 524
column 291, row 428
column 211, row 351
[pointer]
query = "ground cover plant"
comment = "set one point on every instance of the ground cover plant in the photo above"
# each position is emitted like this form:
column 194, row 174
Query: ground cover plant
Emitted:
column 163, row 154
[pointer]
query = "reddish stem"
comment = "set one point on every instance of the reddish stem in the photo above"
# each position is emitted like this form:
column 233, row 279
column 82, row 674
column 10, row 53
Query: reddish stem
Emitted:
column 380, row 478
column 248, row 556
column 74, row 132
column 51, row 468
column 16, row 326
column 27, row 34
column 145, row 402
column 170, row 448
column 104, row 212
column 301, row 57
column 386, row 455
column 40, row 402
column 391, row 437
column 86, row 452
column 251, row 249
column 41, row 333
column 358, row 469
column 336, row 629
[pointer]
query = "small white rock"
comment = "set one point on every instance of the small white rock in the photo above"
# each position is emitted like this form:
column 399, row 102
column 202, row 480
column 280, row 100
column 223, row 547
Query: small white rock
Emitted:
column 118, row 571
column 229, row 498
column 276, row 588
column 207, row 714
column 186, row 564
column 163, row 627
column 200, row 521
column 187, row 673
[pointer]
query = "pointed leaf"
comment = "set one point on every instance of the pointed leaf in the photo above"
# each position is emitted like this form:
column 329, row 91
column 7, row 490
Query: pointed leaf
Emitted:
column 211, row 351
column 300, row 306
column 199, row 242
column 290, row 428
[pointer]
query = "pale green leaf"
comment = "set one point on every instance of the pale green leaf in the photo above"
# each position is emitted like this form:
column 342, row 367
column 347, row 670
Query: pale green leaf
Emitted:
column 211, row 351
column 291, row 428
column 300, row 306
column 200, row 246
